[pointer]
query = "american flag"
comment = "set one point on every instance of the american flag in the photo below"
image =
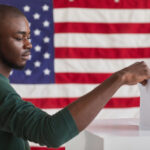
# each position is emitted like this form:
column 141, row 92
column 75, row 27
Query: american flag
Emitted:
column 92, row 39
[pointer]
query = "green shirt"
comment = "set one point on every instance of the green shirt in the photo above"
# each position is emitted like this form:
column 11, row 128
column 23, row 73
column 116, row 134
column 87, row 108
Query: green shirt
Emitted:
column 21, row 121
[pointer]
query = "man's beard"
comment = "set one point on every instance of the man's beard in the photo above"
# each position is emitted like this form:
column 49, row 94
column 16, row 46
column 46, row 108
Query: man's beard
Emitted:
column 10, row 64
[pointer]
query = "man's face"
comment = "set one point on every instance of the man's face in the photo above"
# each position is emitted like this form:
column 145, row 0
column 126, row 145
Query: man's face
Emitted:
column 14, row 42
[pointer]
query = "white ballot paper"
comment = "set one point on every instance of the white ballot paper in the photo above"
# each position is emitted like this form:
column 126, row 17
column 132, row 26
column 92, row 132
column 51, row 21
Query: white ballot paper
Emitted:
column 145, row 106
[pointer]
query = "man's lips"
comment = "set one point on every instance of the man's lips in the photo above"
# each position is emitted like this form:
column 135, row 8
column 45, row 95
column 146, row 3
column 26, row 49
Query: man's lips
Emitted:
column 26, row 55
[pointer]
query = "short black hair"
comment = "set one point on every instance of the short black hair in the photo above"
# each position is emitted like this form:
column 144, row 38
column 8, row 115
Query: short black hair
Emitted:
column 7, row 10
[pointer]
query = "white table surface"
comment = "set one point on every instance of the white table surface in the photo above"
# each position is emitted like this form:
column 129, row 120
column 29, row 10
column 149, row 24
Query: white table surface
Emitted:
column 115, row 134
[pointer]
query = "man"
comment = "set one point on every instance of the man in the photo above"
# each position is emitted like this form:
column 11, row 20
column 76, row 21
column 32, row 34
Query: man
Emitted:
column 21, row 121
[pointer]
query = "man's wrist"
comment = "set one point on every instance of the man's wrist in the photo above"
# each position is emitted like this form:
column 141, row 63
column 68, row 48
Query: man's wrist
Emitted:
column 121, row 77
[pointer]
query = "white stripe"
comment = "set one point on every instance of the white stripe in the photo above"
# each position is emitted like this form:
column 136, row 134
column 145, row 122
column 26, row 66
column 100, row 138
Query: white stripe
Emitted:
column 32, row 144
column 102, row 40
column 119, row 113
column 110, row 113
column 93, row 65
column 102, row 15
column 67, row 90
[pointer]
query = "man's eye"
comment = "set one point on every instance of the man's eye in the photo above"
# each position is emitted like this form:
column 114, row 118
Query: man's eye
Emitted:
column 19, row 39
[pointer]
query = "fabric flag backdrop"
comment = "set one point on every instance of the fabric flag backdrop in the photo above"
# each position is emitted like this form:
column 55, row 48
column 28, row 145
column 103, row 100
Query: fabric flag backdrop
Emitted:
column 92, row 39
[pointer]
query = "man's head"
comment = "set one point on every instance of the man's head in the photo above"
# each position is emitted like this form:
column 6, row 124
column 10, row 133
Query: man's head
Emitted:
column 14, row 37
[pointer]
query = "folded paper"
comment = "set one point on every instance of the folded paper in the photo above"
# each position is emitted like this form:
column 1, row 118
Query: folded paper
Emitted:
column 145, row 106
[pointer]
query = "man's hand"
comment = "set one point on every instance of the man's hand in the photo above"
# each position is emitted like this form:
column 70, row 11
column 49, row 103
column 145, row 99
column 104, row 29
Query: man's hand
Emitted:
column 136, row 73
column 98, row 97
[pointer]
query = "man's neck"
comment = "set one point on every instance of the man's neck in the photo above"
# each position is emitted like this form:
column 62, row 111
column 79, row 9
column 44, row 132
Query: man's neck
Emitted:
column 5, row 70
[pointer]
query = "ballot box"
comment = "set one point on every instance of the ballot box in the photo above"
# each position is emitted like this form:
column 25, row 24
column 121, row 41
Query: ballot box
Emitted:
column 145, row 106
column 118, row 134
column 115, row 134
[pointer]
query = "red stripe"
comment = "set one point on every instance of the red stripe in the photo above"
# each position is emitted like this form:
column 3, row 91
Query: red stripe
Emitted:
column 102, row 27
column 102, row 4
column 47, row 103
column 72, row 52
column 44, row 148
column 123, row 102
column 81, row 77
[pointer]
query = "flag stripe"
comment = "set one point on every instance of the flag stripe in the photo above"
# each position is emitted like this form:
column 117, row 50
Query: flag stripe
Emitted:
column 132, row 112
column 74, row 27
column 101, row 4
column 81, row 77
column 68, row 90
column 88, row 66
column 107, row 113
column 47, row 103
column 36, row 146
column 102, row 15
column 123, row 102
column 44, row 148
column 102, row 40
column 73, row 52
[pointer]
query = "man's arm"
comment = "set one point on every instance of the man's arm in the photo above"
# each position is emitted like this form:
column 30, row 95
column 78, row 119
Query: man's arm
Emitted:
column 23, row 120
column 85, row 109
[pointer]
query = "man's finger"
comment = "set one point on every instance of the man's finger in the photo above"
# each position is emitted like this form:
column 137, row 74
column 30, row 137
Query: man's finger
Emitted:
column 144, row 82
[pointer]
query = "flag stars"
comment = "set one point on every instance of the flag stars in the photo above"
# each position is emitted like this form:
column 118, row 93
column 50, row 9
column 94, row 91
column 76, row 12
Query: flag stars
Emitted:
column 46, row 71
column 46, row 23
column 37, row 48
column 36, row 16
column 34, row 64
column 46, row 39
column 46, row 55
column 37, row 32
column 29, row 24
column 30, row 40
column 28, row 72
column 37, row 64
column 30, row 57
column 26, row 8
column 11, row 72
column 45, row 7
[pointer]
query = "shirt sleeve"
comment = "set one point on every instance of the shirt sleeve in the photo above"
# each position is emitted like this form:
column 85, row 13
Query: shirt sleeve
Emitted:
column 24, row 120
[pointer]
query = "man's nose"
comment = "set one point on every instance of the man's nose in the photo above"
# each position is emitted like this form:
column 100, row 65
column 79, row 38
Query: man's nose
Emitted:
column 27, row 44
